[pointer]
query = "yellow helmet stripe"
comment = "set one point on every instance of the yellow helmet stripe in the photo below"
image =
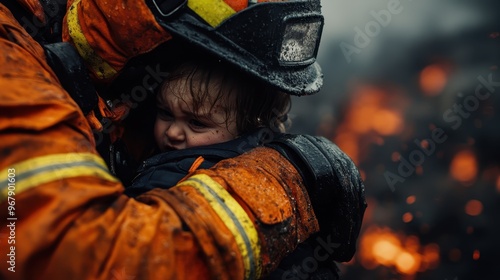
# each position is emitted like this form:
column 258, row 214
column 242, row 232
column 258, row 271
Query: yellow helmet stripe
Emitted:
column 99, row 66
column 235, row 218
column 36, row 171
column 212, row 11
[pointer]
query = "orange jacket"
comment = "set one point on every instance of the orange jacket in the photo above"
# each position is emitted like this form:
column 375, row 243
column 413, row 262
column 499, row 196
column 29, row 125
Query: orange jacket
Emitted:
column 63, row 216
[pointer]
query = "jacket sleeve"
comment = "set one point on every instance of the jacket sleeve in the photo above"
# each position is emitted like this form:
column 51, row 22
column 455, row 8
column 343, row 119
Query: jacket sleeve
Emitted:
column 101, row 32
column 63, row 216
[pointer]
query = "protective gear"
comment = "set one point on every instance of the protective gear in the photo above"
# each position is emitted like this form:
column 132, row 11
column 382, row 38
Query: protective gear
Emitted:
column 109, row 33
column 72, row 74
column 281, row 54
column 41, row 19
column 330, row 176
column 281, row 51
column 332, row 179
column 71, row 220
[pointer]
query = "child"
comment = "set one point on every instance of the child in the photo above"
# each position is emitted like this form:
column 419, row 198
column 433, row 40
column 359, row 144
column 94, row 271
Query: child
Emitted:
column 206, row 112
column 205, row 108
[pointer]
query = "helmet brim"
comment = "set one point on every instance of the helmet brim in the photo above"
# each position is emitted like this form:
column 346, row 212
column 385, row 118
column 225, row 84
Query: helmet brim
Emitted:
column 250, row 40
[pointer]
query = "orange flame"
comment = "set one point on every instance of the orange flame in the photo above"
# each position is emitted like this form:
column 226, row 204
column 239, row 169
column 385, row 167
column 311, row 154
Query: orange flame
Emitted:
column 369, row 116
column 381, row 246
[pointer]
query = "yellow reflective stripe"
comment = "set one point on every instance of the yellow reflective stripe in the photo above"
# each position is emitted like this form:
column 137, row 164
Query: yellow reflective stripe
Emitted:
column 33, row 172
column 234, row 217
column 212, row 11
column 102, row 69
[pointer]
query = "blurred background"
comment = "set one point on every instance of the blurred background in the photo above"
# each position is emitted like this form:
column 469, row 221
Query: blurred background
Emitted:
column 411, row 93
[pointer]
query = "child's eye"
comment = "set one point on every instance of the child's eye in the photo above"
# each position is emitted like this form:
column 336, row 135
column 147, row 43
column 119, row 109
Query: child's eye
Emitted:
column 164, row 114
column 197, row 124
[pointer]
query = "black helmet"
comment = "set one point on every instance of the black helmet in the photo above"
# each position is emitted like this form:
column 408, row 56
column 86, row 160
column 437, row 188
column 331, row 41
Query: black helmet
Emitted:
column 275, row 41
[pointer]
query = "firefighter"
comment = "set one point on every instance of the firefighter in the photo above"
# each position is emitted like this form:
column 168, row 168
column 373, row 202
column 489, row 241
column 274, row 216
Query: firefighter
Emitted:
column 65, row 215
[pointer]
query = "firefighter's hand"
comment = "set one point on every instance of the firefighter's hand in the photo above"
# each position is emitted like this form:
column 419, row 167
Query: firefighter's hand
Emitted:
column 334, row 186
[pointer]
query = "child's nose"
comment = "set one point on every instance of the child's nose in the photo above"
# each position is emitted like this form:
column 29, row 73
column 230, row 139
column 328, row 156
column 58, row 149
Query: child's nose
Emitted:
column 175, row 132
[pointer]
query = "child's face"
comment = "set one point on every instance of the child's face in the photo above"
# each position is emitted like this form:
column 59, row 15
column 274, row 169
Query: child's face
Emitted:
column 178, row 127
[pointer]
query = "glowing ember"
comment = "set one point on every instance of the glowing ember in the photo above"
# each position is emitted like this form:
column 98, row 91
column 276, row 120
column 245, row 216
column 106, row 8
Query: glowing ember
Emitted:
column 395, row 156
column 371, row 115
column 476, row 255
column 411, row 199
column 385, row 251
column 387, row 122
column 464, row 166
column 424, row 144
column 381, row 246
column 473, row 207
column 407, row 263
column 433, row 79
column 407, row 217
column 430, row 256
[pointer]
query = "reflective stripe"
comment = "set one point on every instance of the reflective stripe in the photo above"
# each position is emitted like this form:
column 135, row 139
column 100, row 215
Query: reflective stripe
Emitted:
column 102, row 69
column 212, row 11
column 235, row 218
column 34, row 172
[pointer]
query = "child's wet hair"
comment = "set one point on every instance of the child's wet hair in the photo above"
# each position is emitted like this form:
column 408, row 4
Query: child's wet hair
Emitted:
column 254, row 103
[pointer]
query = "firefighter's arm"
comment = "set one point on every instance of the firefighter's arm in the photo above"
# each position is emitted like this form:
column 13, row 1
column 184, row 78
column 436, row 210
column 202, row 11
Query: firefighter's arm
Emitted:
column 69, row 219
column 102, row 33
